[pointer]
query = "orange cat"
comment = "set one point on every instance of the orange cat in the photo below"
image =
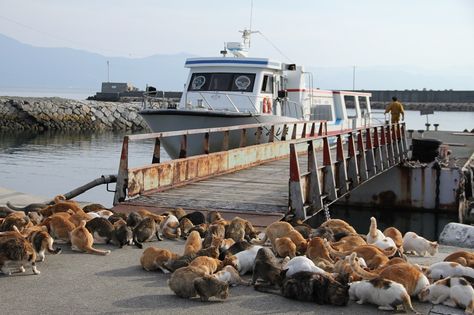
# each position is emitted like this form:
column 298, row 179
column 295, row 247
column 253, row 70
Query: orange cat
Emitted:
column 82, row 241
column 147, row 214
column 348, row 242
column 274, row 231
column 59, row 227
column 207, row 264
column 193, row 243
column 338, row 226
column 317, row 249
column 284, row 247
column 77, row 217
column 404, row 273
column 462, row 257
column 154, row 258
column 396, row 236
column 300, row 242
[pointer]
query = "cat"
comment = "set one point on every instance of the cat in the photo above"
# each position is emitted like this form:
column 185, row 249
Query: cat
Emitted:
column 154, row 258
column 42, row 242
column 300, row 263
column 93, row 207
column 181, row 281
column 60, row 205
column 33, row 207
column 208, row 264
column 101, row 229
column 338, row 226
column 169, row 227
column 324, row 233
column 404, row 273
column 195, row 217
column 244, row 260
column 451, row 291
column 348, row 242
column 78, row 216
column 106, row 214
column 386, row 294
column 186, row 227
column 240, row 229
column 82, row 241
column 193, row 243
column 317, row 249
column 395, row 235
column 374, row 233
column 462, row 257
column 185, row 260
column 122, row 234
column 284, row 246
column 201, row 228
column 59, row 227
column 16, row 219
column 231, row 276
column 417, row 245
column 16, row 253
column 343, row 267
column 214, row 216
column 235, row 248
column 208, row 286
column 266, row 268
column 144, row 231
column 147, row 214
column 214, row 230
column 178, row 212
column 274, row 231
column 133, row 219
column 312, row 287
column 446, row 269
column 373, row 256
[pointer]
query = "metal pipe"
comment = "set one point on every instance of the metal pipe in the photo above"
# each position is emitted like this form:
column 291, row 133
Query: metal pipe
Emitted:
column 104, row 179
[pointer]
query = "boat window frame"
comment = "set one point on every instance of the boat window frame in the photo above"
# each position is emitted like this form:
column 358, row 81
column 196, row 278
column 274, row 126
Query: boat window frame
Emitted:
column 231, row 85
column 267, row 83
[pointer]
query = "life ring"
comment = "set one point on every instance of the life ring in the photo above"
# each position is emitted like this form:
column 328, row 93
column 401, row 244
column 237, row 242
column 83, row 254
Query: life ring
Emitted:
column 267, row 105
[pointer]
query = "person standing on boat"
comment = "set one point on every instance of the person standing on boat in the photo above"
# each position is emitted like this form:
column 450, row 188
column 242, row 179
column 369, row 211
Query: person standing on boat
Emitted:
column 395, row 108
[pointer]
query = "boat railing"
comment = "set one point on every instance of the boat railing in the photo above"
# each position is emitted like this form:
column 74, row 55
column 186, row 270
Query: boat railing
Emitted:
column 132, row 181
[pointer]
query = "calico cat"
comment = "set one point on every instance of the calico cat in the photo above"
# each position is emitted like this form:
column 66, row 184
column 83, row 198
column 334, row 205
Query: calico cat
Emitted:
column 15, row 253
column 446, row 269
column 82, row 241
column 193, row 243
column 386, row 294
column 312, row 287
column 462, row 257
column 451, row 291
column 170, row 227
column 404, row 273
column 300, row 263
column 266, row 268
column 417, row 245
column 231, row 276
column 154, row 258
column 208, row 286
column 144, row 231
column 42, row 242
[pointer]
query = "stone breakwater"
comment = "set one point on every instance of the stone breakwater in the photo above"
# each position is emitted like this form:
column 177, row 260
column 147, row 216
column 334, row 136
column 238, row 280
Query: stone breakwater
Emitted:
column 29, row 113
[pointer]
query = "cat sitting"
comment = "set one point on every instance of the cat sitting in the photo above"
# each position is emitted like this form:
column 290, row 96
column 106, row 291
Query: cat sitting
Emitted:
column 451, row 291
column 417, row 245
column 82, row 241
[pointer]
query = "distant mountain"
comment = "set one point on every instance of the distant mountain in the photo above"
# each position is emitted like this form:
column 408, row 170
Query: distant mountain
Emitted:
column 23, row 65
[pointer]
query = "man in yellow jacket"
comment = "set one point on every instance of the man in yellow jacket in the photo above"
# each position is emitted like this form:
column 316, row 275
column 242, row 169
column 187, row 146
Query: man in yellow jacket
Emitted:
column 395, row 108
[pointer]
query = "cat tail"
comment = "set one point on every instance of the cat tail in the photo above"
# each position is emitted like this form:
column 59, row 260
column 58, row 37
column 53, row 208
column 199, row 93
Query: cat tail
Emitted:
column 92, row 250
column 367, row 275
column 333, row 252
column 390, row 251
column 59, row 198
column 406, row 300
column 373, row 228
column 136, row 242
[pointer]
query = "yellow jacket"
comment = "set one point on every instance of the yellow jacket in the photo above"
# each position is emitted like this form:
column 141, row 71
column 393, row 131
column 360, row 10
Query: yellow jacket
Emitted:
column 396, row 108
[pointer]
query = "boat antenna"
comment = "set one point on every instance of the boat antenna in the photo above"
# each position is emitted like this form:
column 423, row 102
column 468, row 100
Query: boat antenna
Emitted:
column 251, row 15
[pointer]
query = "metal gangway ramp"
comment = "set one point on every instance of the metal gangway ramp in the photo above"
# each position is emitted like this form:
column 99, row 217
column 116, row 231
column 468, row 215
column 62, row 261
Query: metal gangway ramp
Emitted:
column 276, row 169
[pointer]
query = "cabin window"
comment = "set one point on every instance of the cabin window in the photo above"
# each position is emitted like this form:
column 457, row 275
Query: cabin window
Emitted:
column 267, row 84
column 236, row 82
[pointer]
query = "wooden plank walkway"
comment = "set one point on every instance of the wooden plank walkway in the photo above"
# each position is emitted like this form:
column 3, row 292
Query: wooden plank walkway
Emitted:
column 262, row 188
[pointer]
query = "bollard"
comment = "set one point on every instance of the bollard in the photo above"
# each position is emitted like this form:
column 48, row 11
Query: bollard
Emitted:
column 436, row 126
column 410, row 133
column 427, row 126
column 421, row 131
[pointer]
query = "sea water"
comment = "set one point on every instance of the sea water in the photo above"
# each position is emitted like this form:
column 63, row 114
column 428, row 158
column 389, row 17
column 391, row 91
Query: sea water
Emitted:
column 51, row 163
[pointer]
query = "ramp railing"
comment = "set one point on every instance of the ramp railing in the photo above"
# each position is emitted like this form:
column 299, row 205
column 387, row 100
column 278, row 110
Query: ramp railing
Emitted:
column 346, row 161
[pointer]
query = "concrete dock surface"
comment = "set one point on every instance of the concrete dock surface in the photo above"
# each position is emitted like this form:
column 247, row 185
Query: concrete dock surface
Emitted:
column 77, row 283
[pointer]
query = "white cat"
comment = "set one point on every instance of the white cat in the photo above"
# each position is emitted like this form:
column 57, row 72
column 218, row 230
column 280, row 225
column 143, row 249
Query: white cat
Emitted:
column 244, row 260
column 444, row 269
column 374, row 233
column 385, row 243
column 301, row 263
column 230, row 275
column 413, row 243
column 452, row 291
column 386, row 294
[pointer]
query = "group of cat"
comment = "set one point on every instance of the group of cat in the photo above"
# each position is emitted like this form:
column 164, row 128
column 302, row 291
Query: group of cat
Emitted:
column 27, row 233
column 331, row 264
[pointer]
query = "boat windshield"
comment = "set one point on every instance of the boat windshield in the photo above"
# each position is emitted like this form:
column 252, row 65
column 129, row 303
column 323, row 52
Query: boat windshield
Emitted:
column 235, row 82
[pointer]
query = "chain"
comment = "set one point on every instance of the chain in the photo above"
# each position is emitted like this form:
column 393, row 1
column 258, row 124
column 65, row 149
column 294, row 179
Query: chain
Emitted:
column 326, row 212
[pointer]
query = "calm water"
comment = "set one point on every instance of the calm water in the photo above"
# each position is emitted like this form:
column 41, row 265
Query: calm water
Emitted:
column 54, row 163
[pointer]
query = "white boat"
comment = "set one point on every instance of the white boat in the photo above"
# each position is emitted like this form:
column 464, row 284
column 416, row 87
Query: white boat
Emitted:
column 239, row 90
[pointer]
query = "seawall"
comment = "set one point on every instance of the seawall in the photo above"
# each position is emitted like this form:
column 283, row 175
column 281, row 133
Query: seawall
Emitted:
column 31, row 113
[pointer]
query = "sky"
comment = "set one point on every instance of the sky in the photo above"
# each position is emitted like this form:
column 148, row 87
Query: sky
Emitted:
column 335, row 33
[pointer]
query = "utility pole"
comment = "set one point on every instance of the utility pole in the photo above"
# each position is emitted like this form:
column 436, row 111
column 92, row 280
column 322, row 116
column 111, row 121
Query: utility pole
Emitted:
column 108, row 72
column 353, row 78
